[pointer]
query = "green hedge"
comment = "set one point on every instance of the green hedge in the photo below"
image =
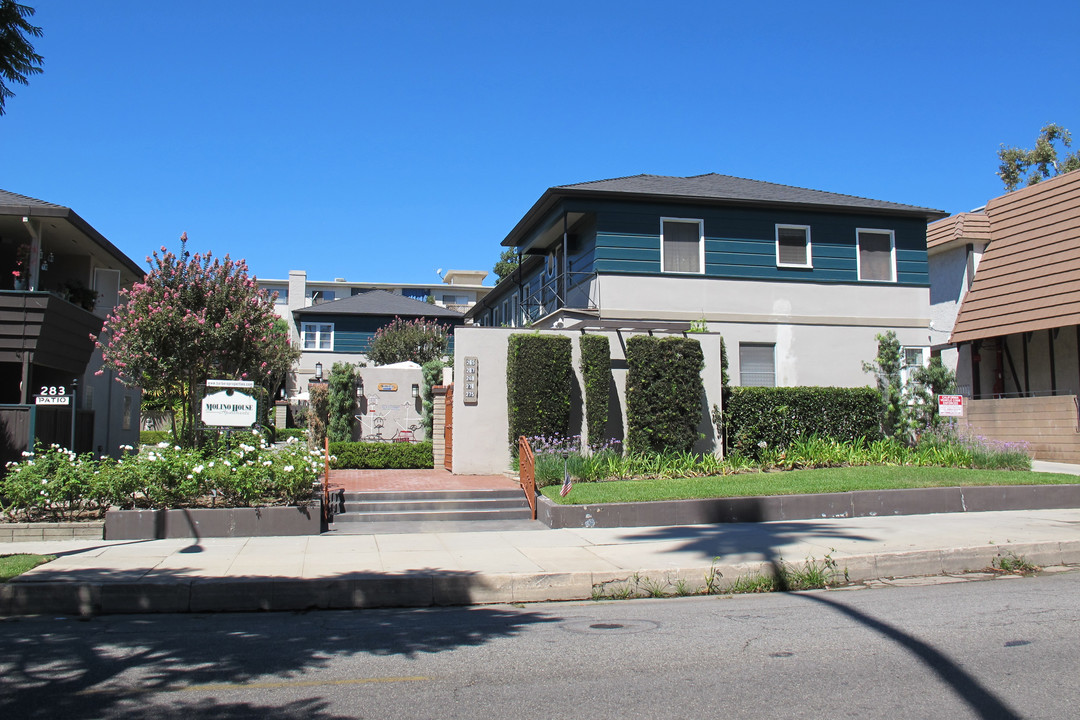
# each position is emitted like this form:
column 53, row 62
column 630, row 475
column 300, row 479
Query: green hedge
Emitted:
column 777, row 416
column 379, row 455
column 153, row 437
column 596, row 369
column 663, row 393
column 539, row 375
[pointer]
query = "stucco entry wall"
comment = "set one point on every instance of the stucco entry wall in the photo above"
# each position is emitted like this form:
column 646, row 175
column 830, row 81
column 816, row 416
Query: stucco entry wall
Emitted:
column 481, row 442
column 397, row 408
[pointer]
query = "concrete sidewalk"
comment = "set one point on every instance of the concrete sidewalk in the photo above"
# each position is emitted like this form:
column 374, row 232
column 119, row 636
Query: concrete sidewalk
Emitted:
column 453, row 568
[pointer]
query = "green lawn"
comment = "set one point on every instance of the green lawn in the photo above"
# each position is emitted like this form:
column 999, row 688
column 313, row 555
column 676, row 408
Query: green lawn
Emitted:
column 796, row 482
column 12, row 565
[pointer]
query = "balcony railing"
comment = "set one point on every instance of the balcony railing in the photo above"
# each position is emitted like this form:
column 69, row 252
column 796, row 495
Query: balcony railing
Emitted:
column 574, row 290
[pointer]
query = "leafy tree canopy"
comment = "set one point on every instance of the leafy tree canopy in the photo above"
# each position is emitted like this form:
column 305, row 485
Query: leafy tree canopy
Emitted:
column 195, row 317
column 420, row 341
column 1040, row 162
column 507, row 264
column 17, row 56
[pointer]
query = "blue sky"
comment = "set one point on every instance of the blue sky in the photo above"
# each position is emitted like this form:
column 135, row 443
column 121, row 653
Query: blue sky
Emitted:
column 382, row 141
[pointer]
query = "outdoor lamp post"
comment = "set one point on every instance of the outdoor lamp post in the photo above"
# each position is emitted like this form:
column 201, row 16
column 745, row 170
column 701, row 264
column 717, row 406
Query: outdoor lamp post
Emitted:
column 415, row 390
column 318, row 371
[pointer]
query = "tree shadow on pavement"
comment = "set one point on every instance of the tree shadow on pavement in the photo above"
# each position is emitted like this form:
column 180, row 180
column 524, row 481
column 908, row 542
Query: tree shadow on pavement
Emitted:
column 64, row 667
column 761, row 540
column 739, row 540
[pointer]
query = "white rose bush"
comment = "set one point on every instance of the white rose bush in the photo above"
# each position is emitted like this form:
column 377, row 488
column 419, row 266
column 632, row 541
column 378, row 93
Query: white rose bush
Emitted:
column 56, row 484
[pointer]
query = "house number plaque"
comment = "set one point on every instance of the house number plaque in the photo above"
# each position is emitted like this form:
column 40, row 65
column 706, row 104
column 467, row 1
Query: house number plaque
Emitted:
column 472, row 373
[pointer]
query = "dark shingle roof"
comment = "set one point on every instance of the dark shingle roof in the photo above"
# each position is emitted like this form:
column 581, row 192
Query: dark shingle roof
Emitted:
column 14, row 201
column 710, row 189
column 727, row 187
column 379, row 302
column 16, row 205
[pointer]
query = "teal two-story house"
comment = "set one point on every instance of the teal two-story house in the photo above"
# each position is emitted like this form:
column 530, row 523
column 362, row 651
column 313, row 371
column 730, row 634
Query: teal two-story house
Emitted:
column 798, row 281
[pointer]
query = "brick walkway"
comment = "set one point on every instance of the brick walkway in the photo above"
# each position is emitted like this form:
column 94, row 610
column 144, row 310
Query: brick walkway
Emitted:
column 412, row 480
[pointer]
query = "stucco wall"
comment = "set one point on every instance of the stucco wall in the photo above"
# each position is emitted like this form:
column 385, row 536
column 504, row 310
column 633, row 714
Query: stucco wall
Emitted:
column 481, row 443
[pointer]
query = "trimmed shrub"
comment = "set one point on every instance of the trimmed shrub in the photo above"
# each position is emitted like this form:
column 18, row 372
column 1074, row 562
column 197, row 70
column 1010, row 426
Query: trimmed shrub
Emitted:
column 760, row 418
column 432, row 373
column 318, row 414
column 380, row 455
column 663, row 393
column 341, row 402
column 539, row 374
column 596, row 369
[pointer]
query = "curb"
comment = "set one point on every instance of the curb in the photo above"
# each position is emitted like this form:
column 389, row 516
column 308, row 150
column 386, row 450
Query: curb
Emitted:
column 425, row 589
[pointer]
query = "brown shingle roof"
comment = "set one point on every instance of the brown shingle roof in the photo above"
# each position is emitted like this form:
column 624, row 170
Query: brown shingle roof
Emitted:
column 965, row 227
column 1029, row 277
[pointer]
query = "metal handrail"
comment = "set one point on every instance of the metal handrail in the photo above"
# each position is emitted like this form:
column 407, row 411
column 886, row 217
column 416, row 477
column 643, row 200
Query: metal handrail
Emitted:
column 527, row 472
column 547, row 298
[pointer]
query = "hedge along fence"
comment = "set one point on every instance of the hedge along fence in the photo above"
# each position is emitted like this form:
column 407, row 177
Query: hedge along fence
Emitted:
column 596, row 370
column 380, row 455
column 539, row 375
column 760, row 418
column 664, row 392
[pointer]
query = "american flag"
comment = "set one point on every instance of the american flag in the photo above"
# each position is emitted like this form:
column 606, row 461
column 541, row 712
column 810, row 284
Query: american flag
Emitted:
column 566, row 484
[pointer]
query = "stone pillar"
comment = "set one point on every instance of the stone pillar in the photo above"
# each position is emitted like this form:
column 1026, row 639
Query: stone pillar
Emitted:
column 281, row 414
column 438, row 425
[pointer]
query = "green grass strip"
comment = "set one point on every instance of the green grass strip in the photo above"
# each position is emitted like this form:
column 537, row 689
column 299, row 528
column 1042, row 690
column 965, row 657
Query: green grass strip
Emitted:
column 796, row 482
column 14, row 565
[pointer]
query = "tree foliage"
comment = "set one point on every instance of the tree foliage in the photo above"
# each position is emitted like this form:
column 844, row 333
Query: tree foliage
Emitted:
column 342, row 402
column 432, row 373
column 17, row 56
column 508, row 262
column 420, row 341
column 909, row 409
column 1040, row 162
column 194, row 317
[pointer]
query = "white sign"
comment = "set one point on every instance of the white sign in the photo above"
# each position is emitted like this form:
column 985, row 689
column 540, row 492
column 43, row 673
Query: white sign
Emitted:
column 52, row 400
column 224, row 410
column 950, row 405
column 471, row 384
column 231, row 383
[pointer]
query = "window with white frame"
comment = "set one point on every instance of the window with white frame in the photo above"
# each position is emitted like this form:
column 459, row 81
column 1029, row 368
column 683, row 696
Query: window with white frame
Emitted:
column 318, row 336
column 913, row 357
column 876, row 255
column 682, row 245
column 793, row 246
column 757, row 364
column 322, row 296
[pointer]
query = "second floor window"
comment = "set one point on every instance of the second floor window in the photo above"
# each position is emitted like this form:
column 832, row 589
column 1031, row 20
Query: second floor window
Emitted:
column 682, row 245
column 318, row 336
column 793, row 246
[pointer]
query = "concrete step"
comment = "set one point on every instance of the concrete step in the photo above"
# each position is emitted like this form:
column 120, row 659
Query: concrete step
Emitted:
column 430, row 515
column 389, row 506
column 351, row 508
column 512, row 493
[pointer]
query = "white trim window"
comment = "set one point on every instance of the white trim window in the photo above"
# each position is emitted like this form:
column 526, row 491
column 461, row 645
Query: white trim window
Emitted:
column 757, row 364
column 876, row 254
column 682, row 245
column 793, row 246
column 317, row 336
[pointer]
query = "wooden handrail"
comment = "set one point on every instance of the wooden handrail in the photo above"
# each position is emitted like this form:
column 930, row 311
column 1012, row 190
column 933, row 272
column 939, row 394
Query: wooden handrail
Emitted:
column 527, row 472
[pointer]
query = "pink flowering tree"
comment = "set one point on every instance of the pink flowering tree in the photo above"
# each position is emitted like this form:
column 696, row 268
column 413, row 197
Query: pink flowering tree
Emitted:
column 195, row 317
